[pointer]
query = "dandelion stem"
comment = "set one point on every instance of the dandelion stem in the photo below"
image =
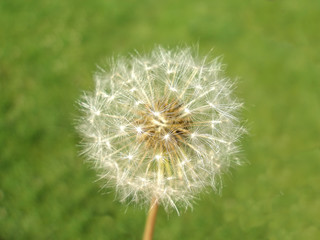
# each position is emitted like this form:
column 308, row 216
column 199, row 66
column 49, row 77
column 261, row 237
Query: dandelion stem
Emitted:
column 151, row 220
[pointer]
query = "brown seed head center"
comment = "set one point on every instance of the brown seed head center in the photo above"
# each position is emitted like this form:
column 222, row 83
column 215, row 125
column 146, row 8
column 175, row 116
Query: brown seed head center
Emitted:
column 164, row 125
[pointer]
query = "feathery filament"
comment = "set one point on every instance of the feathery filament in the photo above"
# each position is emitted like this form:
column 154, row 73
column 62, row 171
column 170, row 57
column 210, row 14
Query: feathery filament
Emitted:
column 161, row 126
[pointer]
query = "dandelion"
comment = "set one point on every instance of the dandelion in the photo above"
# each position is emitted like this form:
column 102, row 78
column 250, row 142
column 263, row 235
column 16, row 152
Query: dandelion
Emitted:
column 161, row 127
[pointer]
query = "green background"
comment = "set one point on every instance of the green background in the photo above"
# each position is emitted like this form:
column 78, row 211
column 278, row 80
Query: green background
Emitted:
column 48, row 54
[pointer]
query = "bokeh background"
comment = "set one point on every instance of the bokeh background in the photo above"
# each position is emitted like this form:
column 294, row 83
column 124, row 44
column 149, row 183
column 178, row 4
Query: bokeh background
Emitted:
column 48, row 53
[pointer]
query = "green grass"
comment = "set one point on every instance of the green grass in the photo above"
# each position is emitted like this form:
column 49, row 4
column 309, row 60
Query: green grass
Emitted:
column 48, row 53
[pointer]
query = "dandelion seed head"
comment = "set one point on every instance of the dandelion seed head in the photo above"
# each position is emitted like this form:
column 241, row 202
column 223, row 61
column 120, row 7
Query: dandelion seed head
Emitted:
column 162, row 126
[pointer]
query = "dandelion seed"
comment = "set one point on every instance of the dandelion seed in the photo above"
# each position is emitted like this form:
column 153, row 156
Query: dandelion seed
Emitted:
column 167, row 127
column 166, row 137
column 122, row 128
column 139, row 130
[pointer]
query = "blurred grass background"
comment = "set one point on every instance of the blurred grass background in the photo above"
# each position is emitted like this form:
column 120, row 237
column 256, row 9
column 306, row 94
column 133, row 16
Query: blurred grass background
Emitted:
column 48, row 54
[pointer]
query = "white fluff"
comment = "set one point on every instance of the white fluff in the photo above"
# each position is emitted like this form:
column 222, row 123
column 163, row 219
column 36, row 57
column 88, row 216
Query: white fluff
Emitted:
column 130, row 126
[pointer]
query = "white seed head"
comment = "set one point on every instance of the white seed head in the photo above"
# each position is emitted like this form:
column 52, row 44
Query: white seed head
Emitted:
column 161, row 126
